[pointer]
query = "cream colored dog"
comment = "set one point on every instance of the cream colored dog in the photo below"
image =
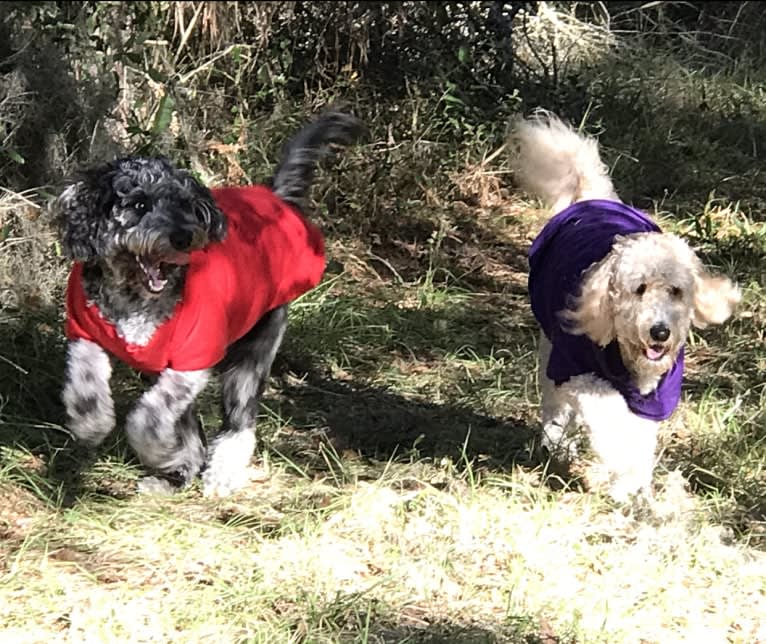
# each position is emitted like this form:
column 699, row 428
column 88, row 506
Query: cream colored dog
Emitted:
column 615, row 298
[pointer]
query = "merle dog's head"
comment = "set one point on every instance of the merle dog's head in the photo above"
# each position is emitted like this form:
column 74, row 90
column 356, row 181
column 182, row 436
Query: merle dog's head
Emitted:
column 139, row 219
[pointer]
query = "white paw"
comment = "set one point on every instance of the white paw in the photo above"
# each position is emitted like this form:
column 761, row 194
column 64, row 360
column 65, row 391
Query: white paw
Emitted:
column 155, row 485
column 629, row 487
column 228, row 468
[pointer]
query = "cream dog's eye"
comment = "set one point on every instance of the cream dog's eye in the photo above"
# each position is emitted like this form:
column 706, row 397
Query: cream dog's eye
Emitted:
column 676, row 292
column 641, row 289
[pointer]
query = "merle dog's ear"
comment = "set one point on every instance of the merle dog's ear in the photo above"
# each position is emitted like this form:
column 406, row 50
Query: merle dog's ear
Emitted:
column 206, row 209
column 80, row 210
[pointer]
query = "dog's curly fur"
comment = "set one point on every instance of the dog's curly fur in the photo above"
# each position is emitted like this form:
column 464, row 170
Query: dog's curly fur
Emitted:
column 645, row 294
column 133, row 223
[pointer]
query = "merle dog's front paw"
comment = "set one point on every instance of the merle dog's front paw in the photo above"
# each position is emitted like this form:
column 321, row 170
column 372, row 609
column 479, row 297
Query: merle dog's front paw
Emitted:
column 165, row 484
column 156, row 485
column 228, row 468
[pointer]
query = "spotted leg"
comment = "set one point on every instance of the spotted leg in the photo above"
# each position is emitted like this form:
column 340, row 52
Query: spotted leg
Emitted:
column 164, row 431
column 86, row 395
column 244, row 372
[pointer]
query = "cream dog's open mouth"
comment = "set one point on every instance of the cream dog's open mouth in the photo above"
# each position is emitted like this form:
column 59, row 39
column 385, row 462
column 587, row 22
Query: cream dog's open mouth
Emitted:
column 655, row 352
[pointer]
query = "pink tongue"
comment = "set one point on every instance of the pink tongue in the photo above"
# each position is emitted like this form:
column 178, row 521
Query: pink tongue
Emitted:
column 654, row 353
column 155, row 278
column 154, row 274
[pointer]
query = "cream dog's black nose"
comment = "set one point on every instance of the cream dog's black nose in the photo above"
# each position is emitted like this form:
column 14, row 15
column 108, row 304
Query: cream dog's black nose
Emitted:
column 659, row 332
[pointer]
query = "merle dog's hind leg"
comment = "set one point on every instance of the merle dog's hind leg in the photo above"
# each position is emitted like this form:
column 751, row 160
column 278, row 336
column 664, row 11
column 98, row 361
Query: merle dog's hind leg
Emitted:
column 243, row 372
column 164, row 431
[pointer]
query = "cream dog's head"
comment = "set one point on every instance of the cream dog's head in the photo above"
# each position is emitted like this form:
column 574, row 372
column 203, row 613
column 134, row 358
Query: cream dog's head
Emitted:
column 646, row 294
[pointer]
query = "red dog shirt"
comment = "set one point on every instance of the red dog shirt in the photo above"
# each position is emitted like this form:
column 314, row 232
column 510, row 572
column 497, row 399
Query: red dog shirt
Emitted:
column 271, row 255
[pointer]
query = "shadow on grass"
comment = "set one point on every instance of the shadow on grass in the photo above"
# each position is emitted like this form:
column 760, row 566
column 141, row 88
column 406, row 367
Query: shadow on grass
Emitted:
column 372, row 420
column 358, row 618
column 470, row 252
column 32, row 360
column 519, row 631
column 32, row 416
column 382, row 424
column 31, row 411
column 356, row 415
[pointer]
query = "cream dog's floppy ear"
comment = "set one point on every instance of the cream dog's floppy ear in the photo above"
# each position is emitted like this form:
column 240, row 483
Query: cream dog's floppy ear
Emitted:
column 591, row 313
column 715, row 298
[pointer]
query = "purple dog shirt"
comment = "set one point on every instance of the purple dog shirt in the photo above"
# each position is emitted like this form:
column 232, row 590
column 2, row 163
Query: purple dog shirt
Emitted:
column 569, row 243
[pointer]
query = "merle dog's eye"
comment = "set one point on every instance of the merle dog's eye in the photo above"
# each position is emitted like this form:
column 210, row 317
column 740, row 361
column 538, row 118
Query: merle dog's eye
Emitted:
column 140, row 207
column 641, row 289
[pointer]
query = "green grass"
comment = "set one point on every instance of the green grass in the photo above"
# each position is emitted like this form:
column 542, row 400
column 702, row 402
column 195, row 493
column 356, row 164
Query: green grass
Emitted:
column 395, row 496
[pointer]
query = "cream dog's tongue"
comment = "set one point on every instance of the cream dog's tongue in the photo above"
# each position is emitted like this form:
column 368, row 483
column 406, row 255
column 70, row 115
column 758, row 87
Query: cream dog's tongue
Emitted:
column 655, row 353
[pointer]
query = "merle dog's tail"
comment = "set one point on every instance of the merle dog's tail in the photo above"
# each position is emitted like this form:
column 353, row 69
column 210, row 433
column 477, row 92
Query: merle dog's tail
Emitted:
column 293, row 176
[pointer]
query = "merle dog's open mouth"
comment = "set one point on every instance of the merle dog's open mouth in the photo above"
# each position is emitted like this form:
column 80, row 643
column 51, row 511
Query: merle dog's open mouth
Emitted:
column 655, row 352
column 155, row 270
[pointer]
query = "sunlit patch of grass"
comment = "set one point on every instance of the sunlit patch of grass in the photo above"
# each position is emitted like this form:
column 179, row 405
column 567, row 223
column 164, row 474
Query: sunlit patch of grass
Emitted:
column 396, row 555
column 720, row 449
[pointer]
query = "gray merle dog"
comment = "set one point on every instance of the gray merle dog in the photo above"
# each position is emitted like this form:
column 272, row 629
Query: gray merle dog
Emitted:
column 180, row 282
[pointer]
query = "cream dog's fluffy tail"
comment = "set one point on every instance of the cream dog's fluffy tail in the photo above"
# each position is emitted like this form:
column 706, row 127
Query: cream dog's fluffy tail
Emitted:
column 556, row 163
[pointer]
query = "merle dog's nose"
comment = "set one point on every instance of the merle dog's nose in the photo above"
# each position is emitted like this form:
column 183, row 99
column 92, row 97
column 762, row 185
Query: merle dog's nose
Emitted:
column 181, row 239
column 659, row 332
